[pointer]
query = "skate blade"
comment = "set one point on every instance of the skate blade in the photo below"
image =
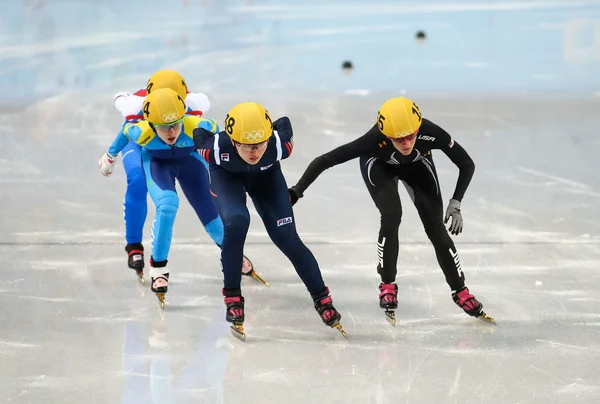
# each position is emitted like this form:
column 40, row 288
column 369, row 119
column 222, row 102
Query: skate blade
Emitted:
column 161, row 300
column 237, row 330
column 258, row 278
column 338, row 327
column 485, row 317
column 390, row 316
column 140, row 276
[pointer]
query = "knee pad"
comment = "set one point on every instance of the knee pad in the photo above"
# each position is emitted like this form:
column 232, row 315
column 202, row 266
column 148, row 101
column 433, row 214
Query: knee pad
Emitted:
column 167, row 203
column 236, row 222
column 391, row 219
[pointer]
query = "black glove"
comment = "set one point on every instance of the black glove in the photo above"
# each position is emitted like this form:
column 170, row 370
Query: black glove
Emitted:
column 293, row 195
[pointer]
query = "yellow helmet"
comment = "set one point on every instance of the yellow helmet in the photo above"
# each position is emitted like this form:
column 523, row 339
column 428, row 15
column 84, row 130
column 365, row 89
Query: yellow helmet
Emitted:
column 398, row 117
column 167, row 79
column 249, row 123
column 163, row 106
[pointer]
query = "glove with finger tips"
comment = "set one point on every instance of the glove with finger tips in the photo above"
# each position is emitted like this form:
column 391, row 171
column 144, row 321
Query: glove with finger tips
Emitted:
column 453, row 212
column 106, row 164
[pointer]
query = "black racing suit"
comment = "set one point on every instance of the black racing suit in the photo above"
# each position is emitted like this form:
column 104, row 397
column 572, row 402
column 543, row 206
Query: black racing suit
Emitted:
column 382, row 166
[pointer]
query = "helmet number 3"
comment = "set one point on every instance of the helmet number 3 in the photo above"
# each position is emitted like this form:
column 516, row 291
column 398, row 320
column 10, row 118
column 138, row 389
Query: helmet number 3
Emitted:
column 229, row 122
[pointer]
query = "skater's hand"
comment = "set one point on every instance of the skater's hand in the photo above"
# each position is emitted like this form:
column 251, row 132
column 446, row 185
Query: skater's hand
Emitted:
column 293, row 195
column 457, row 220
column 106, row 164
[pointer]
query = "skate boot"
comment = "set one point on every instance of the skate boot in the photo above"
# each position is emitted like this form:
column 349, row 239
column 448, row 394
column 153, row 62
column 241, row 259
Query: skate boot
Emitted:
column 234, row 301
column 160, row 283
column 248, row 270
column 388, row 300
column 466, row 301
column 135, row 259
column 328, row 313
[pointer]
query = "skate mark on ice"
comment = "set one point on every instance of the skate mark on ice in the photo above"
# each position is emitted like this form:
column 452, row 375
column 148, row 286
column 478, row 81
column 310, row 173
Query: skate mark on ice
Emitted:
column 417, row 369
column 573, row 184
column 456, row 383
column 486, row 390
column 581, row 348
column 32, row 384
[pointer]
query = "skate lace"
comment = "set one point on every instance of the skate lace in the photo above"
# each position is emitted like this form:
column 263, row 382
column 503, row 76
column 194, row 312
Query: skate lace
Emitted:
column 159, row 282
column 466, row 300
column 328, row 315
column 136, row 252
column 388, row 291
column 236, row 311
column 388, row 298
column 236, row 308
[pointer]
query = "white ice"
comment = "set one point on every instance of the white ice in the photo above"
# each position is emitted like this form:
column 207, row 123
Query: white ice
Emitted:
column 515, row 82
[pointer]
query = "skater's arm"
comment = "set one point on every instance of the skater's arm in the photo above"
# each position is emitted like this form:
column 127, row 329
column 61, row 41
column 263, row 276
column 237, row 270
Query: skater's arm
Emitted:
column 466, row 167
column 197, row 104
column 130, row 105
column 283, row 127
column 119, row 143
column 337, row 156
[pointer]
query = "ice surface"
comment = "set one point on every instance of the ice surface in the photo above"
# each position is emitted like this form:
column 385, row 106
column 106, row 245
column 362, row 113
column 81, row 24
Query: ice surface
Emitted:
column 515, row 82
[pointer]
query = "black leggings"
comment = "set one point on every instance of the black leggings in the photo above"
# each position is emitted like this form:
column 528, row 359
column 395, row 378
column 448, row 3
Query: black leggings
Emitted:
column 421, row 182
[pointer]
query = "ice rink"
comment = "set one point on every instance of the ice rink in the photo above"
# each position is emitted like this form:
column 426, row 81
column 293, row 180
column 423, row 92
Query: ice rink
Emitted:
column 516, row 82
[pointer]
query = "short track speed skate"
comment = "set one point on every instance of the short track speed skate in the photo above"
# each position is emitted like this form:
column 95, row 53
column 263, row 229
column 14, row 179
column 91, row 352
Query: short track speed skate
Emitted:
column 248, row 270
column 388, row 300
column 135, row 259
column 466, row 301
column 160, row 285
column 330, row 316
column 234, row 302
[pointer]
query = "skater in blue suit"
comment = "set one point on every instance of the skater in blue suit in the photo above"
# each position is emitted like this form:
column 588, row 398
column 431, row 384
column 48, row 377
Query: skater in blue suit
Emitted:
column 135, row 206
column 244, row 158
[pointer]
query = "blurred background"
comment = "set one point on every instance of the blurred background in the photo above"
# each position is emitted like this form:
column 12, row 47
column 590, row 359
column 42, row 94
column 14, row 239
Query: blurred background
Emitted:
column 516, row 82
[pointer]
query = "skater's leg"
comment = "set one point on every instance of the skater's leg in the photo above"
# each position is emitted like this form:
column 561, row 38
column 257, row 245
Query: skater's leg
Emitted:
column 229, row 197
column 161, row 179
column 193, row 179
column 423, row 187
column 135, row 206
column 382, row 184
column 272, row 203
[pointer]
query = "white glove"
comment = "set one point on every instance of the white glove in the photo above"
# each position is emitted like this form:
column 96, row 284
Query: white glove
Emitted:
column 128, row 104
column 106, row 164
column 197, row 102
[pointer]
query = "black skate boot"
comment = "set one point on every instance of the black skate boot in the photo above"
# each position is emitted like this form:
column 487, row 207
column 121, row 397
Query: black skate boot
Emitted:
column 160, row 284
column 324, row 306
column 135, row 259
column 234, row 301
column 466, row 301
column 388, row 300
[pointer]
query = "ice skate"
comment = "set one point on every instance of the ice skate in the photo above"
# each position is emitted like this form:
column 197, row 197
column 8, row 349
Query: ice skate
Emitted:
column 160, row 284
column 235, row 314
column 466, row 301
column 248, row 270
column 135, row 259
column 329, row 315
column 388, row 300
